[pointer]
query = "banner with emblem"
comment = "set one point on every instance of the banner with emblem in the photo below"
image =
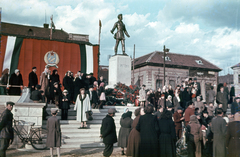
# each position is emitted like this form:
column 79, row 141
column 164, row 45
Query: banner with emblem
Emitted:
column 25, row 53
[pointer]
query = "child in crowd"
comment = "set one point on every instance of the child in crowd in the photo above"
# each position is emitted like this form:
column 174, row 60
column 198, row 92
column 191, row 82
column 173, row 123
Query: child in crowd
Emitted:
column 65, row 105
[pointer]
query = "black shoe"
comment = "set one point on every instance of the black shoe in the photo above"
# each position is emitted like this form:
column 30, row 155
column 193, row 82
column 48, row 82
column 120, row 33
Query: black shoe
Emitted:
column 123, row 152
column 81, row 128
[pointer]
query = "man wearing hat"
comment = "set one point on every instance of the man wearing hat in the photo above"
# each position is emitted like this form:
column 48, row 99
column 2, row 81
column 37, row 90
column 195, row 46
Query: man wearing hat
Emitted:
column 197, row 84
column 36, row 95
column 235, row 106
column 108, row 132
column 15, row 80
column 6, row 130
column 53, row 132
column 33, row 80
column 199, row 104
column 178, row 118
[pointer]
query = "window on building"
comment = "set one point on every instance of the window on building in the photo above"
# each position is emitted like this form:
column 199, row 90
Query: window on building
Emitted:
column 199, row 62
column 30, row 32
column 172, row 83
column 158, row 84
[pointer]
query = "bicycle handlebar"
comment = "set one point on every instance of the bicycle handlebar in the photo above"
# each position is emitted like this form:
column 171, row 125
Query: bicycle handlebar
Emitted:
column 22, row 122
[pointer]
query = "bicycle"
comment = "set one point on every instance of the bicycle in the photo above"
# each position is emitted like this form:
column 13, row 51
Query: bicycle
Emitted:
column 37, row 137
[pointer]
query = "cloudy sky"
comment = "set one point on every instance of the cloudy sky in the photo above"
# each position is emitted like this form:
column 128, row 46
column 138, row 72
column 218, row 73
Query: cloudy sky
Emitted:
column 207, row 28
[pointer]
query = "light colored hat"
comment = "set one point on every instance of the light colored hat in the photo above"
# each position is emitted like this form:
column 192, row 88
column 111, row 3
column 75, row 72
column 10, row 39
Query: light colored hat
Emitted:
column 65, row 91
column 16, row 70
column 126, row 110
column 54, row 110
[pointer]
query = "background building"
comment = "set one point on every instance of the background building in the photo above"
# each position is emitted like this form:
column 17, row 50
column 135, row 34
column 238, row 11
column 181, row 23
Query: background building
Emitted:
column 236, row 77
column 148, row 70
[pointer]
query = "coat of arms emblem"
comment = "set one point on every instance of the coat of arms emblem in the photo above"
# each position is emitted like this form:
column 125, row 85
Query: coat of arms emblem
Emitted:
column 51, row 59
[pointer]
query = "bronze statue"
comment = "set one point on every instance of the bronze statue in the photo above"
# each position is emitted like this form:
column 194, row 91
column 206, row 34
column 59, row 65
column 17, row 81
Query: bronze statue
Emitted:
column 119, row 35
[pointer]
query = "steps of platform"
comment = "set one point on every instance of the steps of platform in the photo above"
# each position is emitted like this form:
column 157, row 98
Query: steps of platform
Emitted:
column 86, row 138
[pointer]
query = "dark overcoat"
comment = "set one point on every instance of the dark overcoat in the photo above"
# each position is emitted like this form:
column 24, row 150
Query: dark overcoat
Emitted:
column 233, row 139
column 69, row 86
column 167, row 138
column 222, row 98
column 219, row 130
column 6, row 130
column 33, row 80
column 53, row 132
column 235, row 107
column 134, row 140
column 108, row 130
column 77, row 86
column 148, row 128
column 15, row 81
column 65, row 103
column 125, row 122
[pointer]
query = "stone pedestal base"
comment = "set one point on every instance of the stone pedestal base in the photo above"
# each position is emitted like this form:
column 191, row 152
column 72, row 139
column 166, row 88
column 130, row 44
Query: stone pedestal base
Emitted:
column 119, row 70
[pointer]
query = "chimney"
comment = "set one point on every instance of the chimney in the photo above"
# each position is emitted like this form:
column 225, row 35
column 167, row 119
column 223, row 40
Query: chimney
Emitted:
column 45, row 25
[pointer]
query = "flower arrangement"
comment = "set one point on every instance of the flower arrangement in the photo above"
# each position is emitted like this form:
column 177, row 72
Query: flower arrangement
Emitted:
column 122, row 91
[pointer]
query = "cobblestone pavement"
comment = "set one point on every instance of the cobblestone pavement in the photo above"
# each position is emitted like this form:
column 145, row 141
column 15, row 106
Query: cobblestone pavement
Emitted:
column 86, row 152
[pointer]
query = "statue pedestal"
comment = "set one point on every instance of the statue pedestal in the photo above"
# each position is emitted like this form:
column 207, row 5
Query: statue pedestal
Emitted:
column 119, row 70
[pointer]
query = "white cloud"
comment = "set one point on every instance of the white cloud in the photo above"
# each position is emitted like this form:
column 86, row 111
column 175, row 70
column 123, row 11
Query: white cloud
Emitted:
column 187, row 28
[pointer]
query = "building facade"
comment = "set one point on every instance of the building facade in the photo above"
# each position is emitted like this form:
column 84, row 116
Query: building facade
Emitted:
column 148, row 70
column 236, row 78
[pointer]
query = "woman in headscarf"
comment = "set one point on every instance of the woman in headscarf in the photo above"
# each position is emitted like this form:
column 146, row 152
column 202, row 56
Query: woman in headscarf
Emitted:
column 101, row 94
column 125, row 122
column 134, row 136
column 194, row 137
column 82, row 105
column 4, row 81
column 233, row 137
column 148, row 128
column 167, row 136
column 15, row 80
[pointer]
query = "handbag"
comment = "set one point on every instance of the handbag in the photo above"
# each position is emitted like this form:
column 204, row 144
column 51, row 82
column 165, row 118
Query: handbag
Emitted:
column 89, row 115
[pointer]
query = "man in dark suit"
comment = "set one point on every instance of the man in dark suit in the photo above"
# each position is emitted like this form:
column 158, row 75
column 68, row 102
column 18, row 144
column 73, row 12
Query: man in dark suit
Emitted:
column 93, row 97
column 6, row 130
column 222, row 99
column 108, row 132
column 198, row 86
column 33, row 80
column 235, row 106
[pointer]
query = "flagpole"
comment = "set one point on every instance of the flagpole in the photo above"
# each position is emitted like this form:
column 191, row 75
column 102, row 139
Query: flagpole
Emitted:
column 100, row 25
column 51, row 18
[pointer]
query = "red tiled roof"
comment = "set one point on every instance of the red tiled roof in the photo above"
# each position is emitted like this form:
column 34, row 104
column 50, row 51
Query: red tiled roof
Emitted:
column 176, row 60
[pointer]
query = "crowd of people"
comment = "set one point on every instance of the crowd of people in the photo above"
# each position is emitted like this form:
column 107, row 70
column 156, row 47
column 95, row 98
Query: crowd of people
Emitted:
column 169, row 114
column 209, row 129
column 48, row 88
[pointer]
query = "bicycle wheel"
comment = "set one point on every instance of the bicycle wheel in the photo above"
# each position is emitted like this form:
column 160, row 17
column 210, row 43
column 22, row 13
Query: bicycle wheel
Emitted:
column 38, row 138
column 181, row 149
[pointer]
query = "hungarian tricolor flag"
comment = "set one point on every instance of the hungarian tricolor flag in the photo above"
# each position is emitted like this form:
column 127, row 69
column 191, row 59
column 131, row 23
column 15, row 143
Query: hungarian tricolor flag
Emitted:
column 25, row 53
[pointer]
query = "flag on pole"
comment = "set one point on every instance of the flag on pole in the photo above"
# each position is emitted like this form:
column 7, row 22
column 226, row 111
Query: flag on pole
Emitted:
column 100, row 26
